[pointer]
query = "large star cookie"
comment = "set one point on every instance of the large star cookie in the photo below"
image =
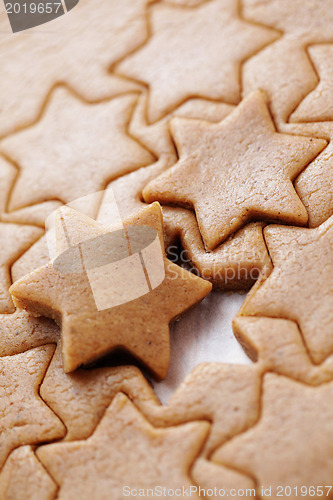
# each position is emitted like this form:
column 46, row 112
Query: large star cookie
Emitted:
column 108, row 291
column 235, row 171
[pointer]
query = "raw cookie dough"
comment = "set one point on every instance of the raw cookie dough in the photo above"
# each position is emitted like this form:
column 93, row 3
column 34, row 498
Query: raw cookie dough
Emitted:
column 74, row 150
column 134, row 325
column 235, row 171
column 125, row 450
column 194, row 52
column 25, row 418
column 291, row 445
column 300, row 287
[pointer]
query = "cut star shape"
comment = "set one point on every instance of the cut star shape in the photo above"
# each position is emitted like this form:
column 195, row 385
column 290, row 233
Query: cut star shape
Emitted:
column 194, row 52
column 283, row 69
column 102, row 304
column 124, row 450
column 15, row 239
column 318, row 105
column 277, row 345
column 25, row 418
column 292, row 444
column 235, row 171
column 81, row 398
column 77, row 48
column 225, row 394
column 300, row 287
column 74, row 150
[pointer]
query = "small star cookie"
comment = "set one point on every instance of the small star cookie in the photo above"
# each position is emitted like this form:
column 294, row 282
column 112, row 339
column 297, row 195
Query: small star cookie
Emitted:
column 25, row 418
column 291, row 445
column 74, row 150
column 125, row 450
column 300, row 287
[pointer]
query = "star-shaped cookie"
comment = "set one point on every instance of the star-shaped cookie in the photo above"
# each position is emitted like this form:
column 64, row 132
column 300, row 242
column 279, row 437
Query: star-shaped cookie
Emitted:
column 236, row 264
column 194, row 52
column 283, row 70
column 292, row 443
column 74, row 150
column 77, row 48
column 25, row 418
column 125, row 450
column 225, row 394
column 81, row 398
column 102, row 295
column 277, row 345
column 300, row 287
column 15, row 239
column 234, row 171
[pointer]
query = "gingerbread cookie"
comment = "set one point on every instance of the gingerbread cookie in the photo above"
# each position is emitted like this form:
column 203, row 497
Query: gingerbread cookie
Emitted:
column 291, row 445
column 235, row 171
column 198, row 67
column 125, row 451
column 77, row 300
column 300, row 285
column 88, row 129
